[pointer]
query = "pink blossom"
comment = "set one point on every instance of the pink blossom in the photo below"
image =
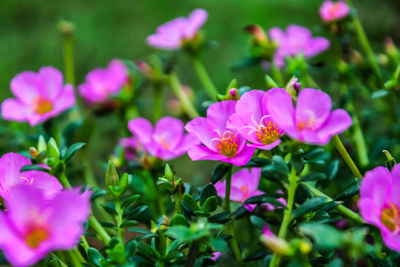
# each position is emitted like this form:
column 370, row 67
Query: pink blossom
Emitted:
column 173, row 34
column 380, row 203
column 244, row 185
column 39, row 96
column 312, row 121
column 101, row 83
column 331, row 11
column 130, row 146
column 296, row 40
column 10, row 176
column 216, row 255
column 166, row 141
column 253, row 121
column 219, row 142
column 33, row 225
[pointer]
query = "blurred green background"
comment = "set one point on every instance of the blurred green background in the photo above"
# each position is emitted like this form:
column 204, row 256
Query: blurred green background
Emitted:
column 105, row 29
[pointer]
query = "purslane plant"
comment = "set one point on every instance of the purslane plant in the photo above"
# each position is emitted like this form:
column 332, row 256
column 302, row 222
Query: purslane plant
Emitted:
column 279, row 195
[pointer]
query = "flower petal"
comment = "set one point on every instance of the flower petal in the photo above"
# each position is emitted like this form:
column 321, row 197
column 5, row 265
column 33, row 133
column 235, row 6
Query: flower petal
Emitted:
column 376, row 185
column 280, row 106
column 142, row 128
column 52, row 80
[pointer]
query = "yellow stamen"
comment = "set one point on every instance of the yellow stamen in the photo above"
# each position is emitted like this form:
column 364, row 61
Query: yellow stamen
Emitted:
column 390, row 217
column 42, row 106
column 35, row 237
column 267, row 133
column 227, row 144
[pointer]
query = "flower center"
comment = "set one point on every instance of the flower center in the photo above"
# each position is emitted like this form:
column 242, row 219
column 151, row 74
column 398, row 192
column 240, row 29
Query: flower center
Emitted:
column 334, row 9
column 308, row 123
column 35, row 237
column 42, row 106
column 267, row 132
column 390, row 217
column 245, row 190
column 227, row 144
column 161, row 140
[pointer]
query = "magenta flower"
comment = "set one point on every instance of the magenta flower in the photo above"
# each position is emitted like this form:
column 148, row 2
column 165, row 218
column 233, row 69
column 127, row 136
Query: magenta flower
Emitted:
column 166, row 141
column 244, row 185
column 33, row 225
column 175, row 33
column 101, row 83
column 216, row 255
column 312, row 121
column 39, row 96
column 253, row 121
column 10, row 176
column 130, row 146
column 380, row 203
column 296, row 40
column 219, row 142
column 331, row 11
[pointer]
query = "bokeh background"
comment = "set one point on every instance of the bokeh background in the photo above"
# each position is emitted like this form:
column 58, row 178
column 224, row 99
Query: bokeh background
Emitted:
column 29, row 38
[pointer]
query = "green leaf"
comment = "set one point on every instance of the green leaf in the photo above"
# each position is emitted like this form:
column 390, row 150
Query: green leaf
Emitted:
column 379, row 94
column 190, row 202
column 314, row 176
column 117, row 253
column 258, row 162
column 72, row 150
column 280, row 163
column 219, row 172
column 351, row 190
column 94, row 256
column 207, row 192
column 179, row 219
column 222, row 218
column 129, row 201
column 34, row 168
column 110, row 208
column 310, row 205
column 325, row 236
column 210, row 204
column 98, row 192
column 52, row 149
column 264, row 199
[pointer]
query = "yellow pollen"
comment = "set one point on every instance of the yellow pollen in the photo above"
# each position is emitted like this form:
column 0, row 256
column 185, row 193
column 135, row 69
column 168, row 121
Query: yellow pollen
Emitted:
column 390, row 217
column 35, row 237
column 42, row 106
column 227, row 144
column 162, row 142
column 267, row 133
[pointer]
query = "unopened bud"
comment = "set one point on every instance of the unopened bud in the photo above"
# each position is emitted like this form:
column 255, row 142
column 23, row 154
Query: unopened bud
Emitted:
column 233, row 94
column 42, row 145
column 274, row 243
column 168, row 172
column 390, row 48
column 258, row 33
column 33, row 152
column 66, row 28
column 52, row 149
column 112, row 177
column 390, row 160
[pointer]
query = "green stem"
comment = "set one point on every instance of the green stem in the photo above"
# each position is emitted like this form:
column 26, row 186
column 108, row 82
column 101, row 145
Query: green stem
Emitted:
column 157, row 101
column 76, row 262
column 118, row 219
column 62, row 263
column 227, row 207
column 69, row 54
column 287, row 214
column 364, row 42
column 343, row 152
column 183, row 98
column 177, row 202
column 193, row 251
column 359, row 140
column 340, row 208
column 227, row 202
column 205, row 78
column 95, row 224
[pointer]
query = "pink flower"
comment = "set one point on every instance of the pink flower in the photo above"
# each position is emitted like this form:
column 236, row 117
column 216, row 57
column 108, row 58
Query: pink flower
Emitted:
column 173, row 34
column 166, row 141
column 10, row 176
column 331, row 11
column 253, row 121
column 130, row 146
column 39, row 96
column 312, row 121
column 33, row 225
column 380, row 203
column 101, row 83
column 219, row 142
column 296, row 40
column 244, row 185
column 216, row 255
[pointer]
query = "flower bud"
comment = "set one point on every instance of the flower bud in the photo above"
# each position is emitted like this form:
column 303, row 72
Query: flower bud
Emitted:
column 274, row 243
column 52, row 149
column 33, row 152
column 66, row 28
column 390, row 48
column 112, row 177
column 259, row 35
column 168, row 172
column 42, row 146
